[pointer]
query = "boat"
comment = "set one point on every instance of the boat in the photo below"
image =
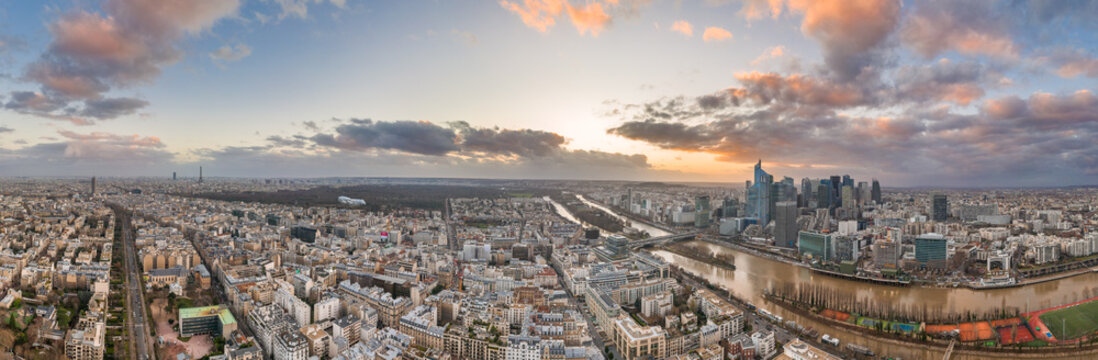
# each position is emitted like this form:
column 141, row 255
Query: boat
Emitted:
column 860, row 350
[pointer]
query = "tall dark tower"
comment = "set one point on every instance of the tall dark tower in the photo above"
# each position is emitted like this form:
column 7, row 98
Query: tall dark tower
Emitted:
column 173, row 175
column 875, row 191
column 93, row 186
column 199, row 174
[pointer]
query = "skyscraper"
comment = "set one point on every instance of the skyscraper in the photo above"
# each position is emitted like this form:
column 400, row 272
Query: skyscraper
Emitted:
column 848, row 197
column 173, row 175
column 758, row 195
column 701, row 211
column 876, row 191
column 807, row 191
column 200, row 174
column 730, row 208
column 823, row 194
column 785, row 224
column 93, row 186
column 862, row 193
column 939, row 207
column 835, row 192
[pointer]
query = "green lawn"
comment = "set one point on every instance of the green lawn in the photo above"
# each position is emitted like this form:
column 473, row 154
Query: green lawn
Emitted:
column 1073, row 322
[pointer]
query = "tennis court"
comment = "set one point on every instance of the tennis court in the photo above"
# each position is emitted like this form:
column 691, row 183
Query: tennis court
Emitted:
column 1021, row 335
column 976, row 331
column 832, row 314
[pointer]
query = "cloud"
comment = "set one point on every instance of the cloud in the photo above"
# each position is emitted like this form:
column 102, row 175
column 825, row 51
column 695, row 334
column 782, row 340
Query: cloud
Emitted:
column 1042, row 139
column 772, row 52
column 968, row 27
column 716, row 34
column 466, row 36
column 588, row 18
column 227, row 53
column 522, row 142
column 91, row 153
column 592, row 17
column 299, row 8
column 756, row 9
column 5, row 129
column 951, row 81
column 128, row 45
column 110, row 108
column 683, row 27
column 417, row 137
column 1071, row 63
column 538, row 14
column 853, row 33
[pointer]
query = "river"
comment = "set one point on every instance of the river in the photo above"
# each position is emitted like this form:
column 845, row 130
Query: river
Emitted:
column 652, row 230
column 754, row 274
column 563, row 211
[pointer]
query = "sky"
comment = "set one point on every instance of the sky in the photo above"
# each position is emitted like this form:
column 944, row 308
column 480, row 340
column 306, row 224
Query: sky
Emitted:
column 914, row 93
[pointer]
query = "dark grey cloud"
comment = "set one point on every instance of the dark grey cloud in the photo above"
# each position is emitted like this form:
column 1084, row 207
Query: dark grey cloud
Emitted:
column 417, row 137
column 522, row 142
column 5, row 129
column 110, row 108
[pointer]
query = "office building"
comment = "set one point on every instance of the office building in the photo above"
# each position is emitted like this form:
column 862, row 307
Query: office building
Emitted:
column 815, row 245
column 886, row 254
column 215, row 320
column 701, row 211
column 848, row 197
column 875, row 191
column 638, row 342
column 785, row 224
column 939, row 207
column 758, row 195
column 730, row 208
column 836, row 184
column 823, row 194
column 807, row 192
column 930, row 250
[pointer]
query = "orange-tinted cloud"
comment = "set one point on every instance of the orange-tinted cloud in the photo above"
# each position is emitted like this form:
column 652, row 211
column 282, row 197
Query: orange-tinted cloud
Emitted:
column 716, row 34
column 770, row 53
column 588, row 18
column 847, row 29
column 962, row 27
column 537, row 14
column 683, row 27
column 755, row 9
column 541, row 15
column 127, row 45
column 765, row 88
column 1070, row 63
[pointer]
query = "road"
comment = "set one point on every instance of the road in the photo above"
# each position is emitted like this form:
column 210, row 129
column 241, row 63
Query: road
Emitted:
column 592, row 328
column 135, row 298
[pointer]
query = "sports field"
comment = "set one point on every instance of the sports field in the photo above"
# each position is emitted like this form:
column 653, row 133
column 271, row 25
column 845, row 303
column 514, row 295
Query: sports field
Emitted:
column 1072, row 322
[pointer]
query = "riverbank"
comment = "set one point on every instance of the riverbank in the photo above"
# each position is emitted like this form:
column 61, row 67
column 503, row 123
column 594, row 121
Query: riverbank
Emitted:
column 711, row 260
column 589, row 214
column 757, row 251
column 919, row 338
column 621, row 212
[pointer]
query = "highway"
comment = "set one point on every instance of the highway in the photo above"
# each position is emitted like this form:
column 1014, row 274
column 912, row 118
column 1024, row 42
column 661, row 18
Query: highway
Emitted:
column 135, row 300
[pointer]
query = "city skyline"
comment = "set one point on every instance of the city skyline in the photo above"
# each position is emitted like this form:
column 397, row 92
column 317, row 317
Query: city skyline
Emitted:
column 951, row 94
